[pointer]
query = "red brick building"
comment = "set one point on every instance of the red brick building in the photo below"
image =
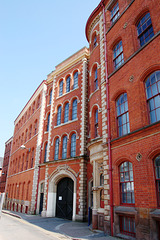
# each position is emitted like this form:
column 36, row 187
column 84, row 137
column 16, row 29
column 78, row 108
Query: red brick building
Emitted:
column 89, row 135
column 4, row 173
column 126, row 36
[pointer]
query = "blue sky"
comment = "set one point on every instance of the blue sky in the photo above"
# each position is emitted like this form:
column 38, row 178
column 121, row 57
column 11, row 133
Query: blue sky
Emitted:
column 35, row 36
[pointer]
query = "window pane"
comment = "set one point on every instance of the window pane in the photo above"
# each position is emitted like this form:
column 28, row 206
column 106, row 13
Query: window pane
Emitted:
column 153, row 116
column 154, row 89
column 145, row 29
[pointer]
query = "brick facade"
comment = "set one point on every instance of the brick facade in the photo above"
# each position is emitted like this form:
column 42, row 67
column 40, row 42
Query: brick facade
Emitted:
column 90, row 131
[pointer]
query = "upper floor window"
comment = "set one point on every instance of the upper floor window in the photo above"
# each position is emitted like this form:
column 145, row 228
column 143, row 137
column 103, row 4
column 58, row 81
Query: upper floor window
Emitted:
column 96, row 123
column 157, row 175
column 74, row 109
column 73, row 145
column 33, row 107
column 68, row 84
column 64, row 147
column 56, row 152
column 50, row 97
column 95, row 41
column 38, row 102
column 118, row 55
column 48, row 121
column 59, row 115
column 126, row 183
column 66, row 112
column 145, row 29
column 122, row 115
column 114, row 12
column 35, row 127
column 61, row 88
column 45, row 152
column 75, row 85
column 152, row 85
column 32, row 158
column 95, row 79
column 30, row 132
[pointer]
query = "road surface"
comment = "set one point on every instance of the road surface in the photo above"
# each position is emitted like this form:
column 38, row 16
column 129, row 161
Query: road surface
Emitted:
column 12, row 228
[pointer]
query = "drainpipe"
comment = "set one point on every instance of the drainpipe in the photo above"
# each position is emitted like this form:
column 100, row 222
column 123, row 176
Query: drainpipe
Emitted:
column 108, row 121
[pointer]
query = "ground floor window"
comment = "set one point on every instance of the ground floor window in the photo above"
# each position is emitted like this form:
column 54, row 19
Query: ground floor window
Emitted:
column 127, row 226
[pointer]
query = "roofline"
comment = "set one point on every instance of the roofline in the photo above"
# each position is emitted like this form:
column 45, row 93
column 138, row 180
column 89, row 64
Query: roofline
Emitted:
column 44, row 81
column 92, row 15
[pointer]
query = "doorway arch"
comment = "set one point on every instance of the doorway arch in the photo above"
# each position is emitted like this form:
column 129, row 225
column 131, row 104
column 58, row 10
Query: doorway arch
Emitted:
column 55, row 178
column 64, row 201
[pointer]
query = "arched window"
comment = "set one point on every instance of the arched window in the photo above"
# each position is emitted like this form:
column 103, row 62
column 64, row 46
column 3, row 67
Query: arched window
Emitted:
column 73, row 145
column 118, row 58
column 75, row 85
column 26, row 135
column 114, row 12
column 38, row 102
column 68, row 84
column 95, row 41
column 61, row 88
column 35, row 127
column 56, row 152
column 32, row 158
column 50, row 97
column 64, row 148
column 45, row 152
column 59, row 115
column 66, row 112
column 122, row 115
column 74, row 109
column 95, row 79
column 48, row 121
column 96, row 123
column 126, row 183
column 145, row 29
column 157, row 175
column 27, row 158
column 152, row 85
column 33, row 107
column 30, row 132
column 22, row 162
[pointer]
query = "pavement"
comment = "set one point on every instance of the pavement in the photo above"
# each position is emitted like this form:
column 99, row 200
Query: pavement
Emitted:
column 66, row 228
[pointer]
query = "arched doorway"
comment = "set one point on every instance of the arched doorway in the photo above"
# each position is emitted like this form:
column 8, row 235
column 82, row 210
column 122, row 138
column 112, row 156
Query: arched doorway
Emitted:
column 64, row 202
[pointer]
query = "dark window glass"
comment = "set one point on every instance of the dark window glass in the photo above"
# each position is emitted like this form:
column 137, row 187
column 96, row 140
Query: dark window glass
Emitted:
column 145, row 29
column 74, row 109
column 95, row 41
column 50, row 97
column 122, row 115
column 157, row 174
column 48, row 120
column 75, row 80
column 127, row 226
column 68, row 84
column 45, row 152
column 64, row 148
column 152, row 85
column 95, row 79
column 61, row 88
column 118, row 58
column 66, row 112
column 59, row 115
column 96, row 123
column 114, row 13
column 56, row 153
column 126, row 183
column 73, row 145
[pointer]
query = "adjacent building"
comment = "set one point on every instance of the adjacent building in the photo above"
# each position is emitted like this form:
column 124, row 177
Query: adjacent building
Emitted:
column 89, row 137
column 5, row 164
